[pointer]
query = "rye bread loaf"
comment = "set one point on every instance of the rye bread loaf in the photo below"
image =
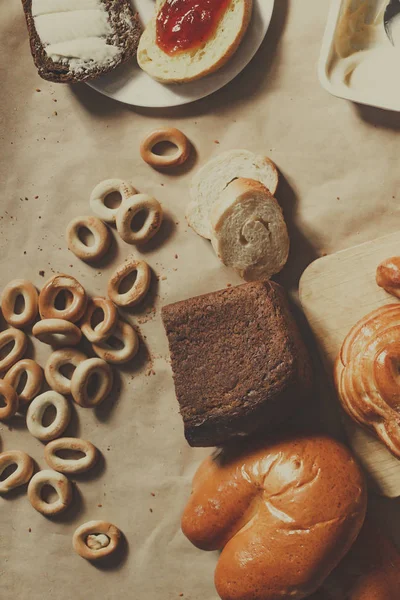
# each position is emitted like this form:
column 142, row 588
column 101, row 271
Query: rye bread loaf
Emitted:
column 238, row 362
column 125, row 32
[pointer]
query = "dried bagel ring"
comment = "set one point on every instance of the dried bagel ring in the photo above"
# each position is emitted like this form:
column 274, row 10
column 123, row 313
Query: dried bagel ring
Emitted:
column 57, row 332
column 165, row 134
column 14, row 289
column 130, row 340
column 130, row 207
column 100, row 232
column 36, row 410
column 58, row 359
column 70, row 465
column 138, row 289
column 10, row 398
column 96, row 539
column 59, row 483
column 104, row 329
column 21, row 475
column 74, row 310
column 104, row 189
column 17, row 351
column 81, row 379
column 33, row 383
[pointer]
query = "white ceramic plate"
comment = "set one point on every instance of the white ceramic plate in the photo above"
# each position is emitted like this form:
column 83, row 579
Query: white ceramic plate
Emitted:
column 131, row 85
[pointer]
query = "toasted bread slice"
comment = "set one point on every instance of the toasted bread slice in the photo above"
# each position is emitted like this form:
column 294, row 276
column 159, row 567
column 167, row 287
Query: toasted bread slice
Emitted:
column 193, row 64
column 211, row 180
column 77, row 40
column 249, row 232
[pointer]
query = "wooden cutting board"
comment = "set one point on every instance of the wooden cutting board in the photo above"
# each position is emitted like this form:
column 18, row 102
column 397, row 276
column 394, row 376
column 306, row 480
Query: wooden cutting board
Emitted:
column 335, row 292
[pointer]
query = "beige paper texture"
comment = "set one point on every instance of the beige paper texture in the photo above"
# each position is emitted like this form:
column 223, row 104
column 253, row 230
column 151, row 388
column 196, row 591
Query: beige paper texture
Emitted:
column 340, row 186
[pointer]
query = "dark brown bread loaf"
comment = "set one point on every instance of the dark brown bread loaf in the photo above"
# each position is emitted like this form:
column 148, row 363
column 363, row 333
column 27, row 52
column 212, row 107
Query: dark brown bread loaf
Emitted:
column 238, row 362
column 126, row 32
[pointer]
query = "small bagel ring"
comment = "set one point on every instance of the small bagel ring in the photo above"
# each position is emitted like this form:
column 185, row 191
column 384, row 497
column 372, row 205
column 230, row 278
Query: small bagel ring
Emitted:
column 34, row 379
column 70, row 465
column 10, row 400
column 129, row 208
column 17, row 351
column 130, row 339
column 100, row 232
column 59, row 482
column 24, row 288
column 139, row 288
column 36, row 411
column 21, row 475
column 57, row 332
column 81, row 377
column 65, row 356
column 165, row 134
column 104, row 329
column 47, row 297
column 96, row 539
column 104, row 189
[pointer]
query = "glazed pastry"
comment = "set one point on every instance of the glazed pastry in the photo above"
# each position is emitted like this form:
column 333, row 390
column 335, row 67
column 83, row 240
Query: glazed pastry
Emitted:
column 388, row 275
column 284, row 515
column 367, row 377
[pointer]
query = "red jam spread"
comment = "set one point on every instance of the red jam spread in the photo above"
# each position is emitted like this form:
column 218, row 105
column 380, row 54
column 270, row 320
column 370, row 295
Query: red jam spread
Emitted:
column 187, row 24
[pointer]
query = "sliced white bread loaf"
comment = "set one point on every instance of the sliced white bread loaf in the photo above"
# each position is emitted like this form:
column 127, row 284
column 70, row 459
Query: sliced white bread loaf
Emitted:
column 193, row 64
column 211, row 180
column 249, row 233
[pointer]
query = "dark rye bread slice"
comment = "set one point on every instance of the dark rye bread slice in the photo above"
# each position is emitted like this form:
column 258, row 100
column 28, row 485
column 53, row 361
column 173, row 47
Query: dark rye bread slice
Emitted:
column 238, row 362
column 126, row 35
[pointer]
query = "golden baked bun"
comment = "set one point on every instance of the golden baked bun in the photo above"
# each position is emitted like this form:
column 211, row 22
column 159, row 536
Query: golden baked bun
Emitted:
column 284, row 516
column 367, row 374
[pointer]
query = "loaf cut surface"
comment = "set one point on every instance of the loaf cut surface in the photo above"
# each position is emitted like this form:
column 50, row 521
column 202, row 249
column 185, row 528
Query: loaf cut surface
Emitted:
column 198, row 62
column 212, row 179
column 238, row 362
column 76, row 52
column 248, row 231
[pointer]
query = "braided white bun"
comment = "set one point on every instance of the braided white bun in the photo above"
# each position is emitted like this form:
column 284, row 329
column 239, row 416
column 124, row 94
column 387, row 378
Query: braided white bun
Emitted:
column 211, row 180
column 193, row 64
column 249, row 233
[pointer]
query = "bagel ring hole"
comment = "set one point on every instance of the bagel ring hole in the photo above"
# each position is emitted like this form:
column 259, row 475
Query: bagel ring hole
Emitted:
column 86, row 236
column 67, row 370
column 63, row 299
column 113, row 200
column 19, row 304
column 23, row 378
column 93, row 384
column 139, row 219
column 165, row 148
column 97, row 317
column 96, row 541
column 127, row 282
column 6, row 349
column 49, row 415
column 70, row 454
column 8, row 471
column 48, row 494
column 3, row 402
column 115, row 343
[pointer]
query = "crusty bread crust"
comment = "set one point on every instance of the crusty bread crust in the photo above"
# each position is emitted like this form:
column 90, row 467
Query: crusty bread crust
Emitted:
column 168, row 78
column 238, row 361
column 127, row 32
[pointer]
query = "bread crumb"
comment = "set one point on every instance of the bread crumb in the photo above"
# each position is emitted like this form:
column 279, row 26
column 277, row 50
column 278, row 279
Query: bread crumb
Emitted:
column 153, row 494
column 163, row 278
column 151, row 510
column 54, row 100
column 100, row 505
column 55, row 113
column 36, row 197
column 180, row 595
column 176, row 256
column 216, row 142
column 228, row 285
column 38, row 90
column 337, row 198
column 29, row 530
column 41, row 273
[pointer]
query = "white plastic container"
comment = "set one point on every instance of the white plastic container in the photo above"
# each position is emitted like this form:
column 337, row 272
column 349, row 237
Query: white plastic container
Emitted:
column 383, row 91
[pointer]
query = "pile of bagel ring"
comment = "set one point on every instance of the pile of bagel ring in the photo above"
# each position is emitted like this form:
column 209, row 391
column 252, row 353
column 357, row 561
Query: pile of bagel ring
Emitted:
column 66, row 314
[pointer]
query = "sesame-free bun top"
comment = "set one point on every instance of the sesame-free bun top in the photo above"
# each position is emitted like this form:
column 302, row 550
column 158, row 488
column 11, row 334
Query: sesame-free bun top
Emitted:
column 283, row 514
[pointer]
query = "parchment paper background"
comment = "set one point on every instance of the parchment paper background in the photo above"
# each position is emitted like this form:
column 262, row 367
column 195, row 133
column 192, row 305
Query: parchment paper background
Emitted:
column 340, row 186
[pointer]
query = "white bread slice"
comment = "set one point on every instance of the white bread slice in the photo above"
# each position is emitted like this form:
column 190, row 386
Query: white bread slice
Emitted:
column 194, row 64
column 211, row 180
column 249, row 232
